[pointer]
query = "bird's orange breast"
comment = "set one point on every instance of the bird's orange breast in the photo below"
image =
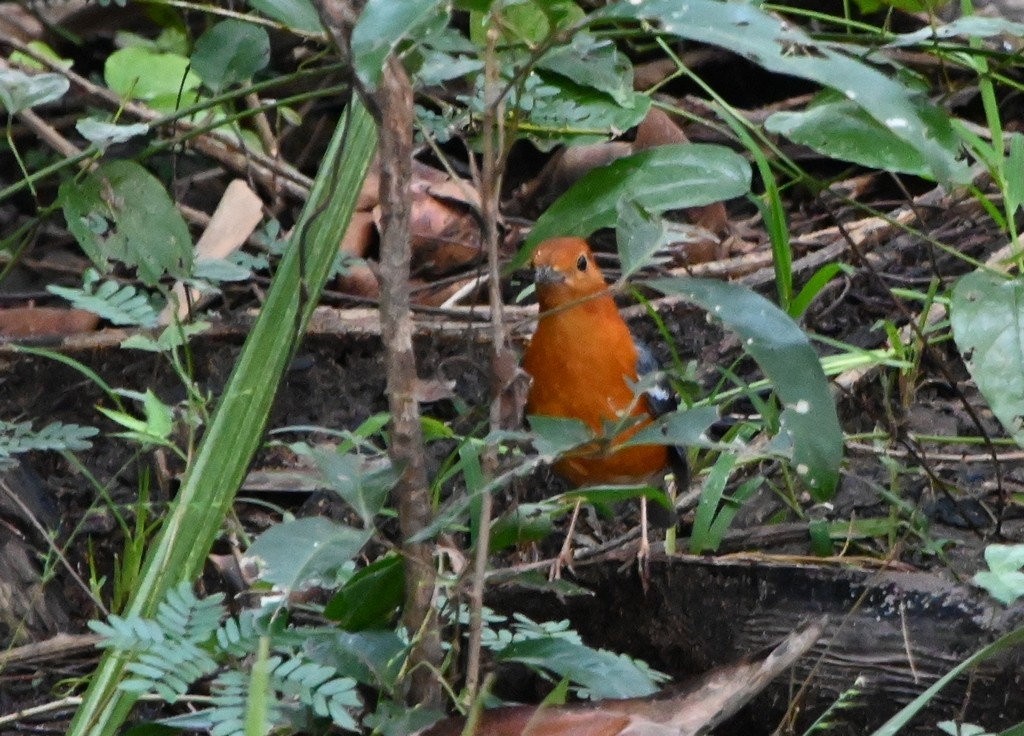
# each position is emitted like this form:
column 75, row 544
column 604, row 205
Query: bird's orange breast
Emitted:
column 582, row 361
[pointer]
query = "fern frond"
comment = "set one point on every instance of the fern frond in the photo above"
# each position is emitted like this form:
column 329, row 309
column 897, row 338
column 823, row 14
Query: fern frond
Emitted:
column 318, row 686
column 132, row 634
column 184, row 616
column 238, row 635
column 171, row 669
column 121, row 305
column 19, row 437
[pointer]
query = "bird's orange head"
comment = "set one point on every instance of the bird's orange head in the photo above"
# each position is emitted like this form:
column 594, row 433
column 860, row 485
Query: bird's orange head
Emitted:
column 565, row 272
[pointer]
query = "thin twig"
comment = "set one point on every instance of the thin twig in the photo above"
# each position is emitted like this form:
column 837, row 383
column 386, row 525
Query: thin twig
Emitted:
column 503, row 363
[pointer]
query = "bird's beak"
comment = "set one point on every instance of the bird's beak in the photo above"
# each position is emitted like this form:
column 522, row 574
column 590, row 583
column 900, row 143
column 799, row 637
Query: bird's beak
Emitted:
column 548, row 275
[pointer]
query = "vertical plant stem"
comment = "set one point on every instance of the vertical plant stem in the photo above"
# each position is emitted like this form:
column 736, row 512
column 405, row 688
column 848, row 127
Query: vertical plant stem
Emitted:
column 391, row 105
column 406, row 443
column 503, row 362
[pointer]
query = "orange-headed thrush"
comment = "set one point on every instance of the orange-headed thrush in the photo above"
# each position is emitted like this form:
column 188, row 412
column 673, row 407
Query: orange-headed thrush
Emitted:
column 585, row 364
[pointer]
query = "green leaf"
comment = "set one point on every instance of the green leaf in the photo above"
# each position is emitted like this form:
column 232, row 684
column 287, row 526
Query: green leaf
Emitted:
column 555, row 110
column 525, row 523
column 20, row 91
column 384, row 24
column 305, row 552
column 554, row 435
column 844, row 130
column 300, row 15
column 138, row 73
column 986, row 315
column 20, row 437
column 818, row 281
column 157, row 423
column 372, row 657
column 664, row 178
column 639, row 236
column 593, row 63
column 1014, row 169
column 785, row 355
column 363, row 488
column 780, row 46
column 116, row 303
column 369, row 599
column 683, row 427
column 230, row 52
column 1005, row 579
column 122, row 212
column 601, row 673
column 171, row 337
column 103, row 134
column 528, row 22
column 43, row 49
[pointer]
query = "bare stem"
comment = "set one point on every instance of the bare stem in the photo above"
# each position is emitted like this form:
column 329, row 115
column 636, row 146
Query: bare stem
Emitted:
column 391, row 105
column 503, row 360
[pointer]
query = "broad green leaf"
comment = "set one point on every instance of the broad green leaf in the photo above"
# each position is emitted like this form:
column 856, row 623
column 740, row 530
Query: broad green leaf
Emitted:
column 230, row 52
column 306, row 552
column 780, row 347
column 843, row 130
column 369, row 599
column 217, row 270
column 364, row 489
column 528, row 22
column 384, row 24
column 20, row 91
column 684, row 427
column 555, row 110
column 103, row 134
column 554, row 435
column 600, row 673
column 639, row 236
column 782, row 47
column 139, row 73
column 523, row 524
column 394, row 718
column 372, row 657
column 987, row 317
column 1004, row 580
column 664, row 178
column 1005, row 557
column 593, row 63
column 300, row 15
column 121, row 212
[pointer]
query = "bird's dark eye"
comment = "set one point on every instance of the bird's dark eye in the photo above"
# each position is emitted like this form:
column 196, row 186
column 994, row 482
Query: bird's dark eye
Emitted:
column 581, row 263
